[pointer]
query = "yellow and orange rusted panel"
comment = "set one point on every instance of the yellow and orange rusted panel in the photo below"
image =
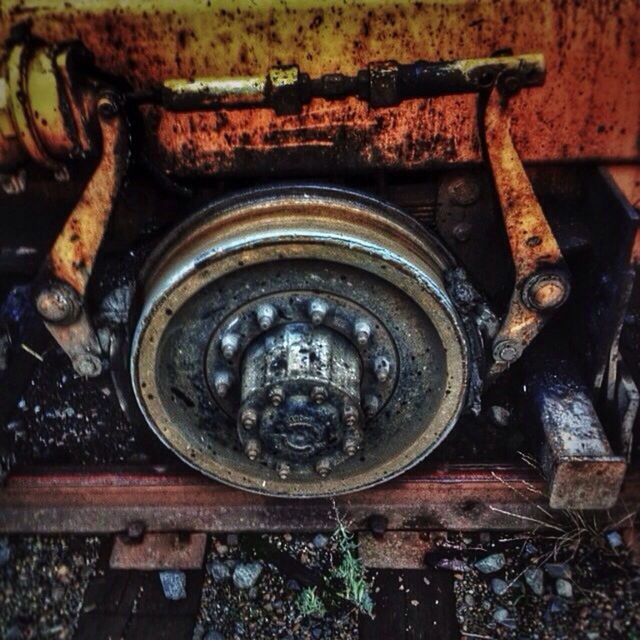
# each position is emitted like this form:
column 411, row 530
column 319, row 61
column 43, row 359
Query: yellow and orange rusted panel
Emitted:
column 627, row 178
column 589, row 106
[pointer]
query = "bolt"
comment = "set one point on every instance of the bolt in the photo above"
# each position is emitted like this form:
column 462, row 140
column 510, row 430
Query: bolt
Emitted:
column 276, row 396
column 506, row 351
column 371, row 404
column 350, row 416
column 249, row 418
column 283, row 470
column 252, row 449
column 61, row 174
column 352, row 441
column 222, row 382
column 463, row 191
column 87, row 365
column 135, row 532
column 378, row 524
column 229, row 345
column 58, row 303
column 107, row 106
column 318, row 310
column 319, row 394
column 323, row 466
column 382, row 368
column 462, row 231
column 266, row 315
column 545, row 291
column 362, row 332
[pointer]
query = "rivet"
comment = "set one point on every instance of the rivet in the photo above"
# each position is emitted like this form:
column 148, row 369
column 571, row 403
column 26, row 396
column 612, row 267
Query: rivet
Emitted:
column 371, row 404
column 323, row 467
column 266, row 315
column 362, row 332
column 283, row 470
column 252, row 449
column 319, row 394
column 229, row 345
column 318, row 310
column 222, row 381
column 249, row 418
column 350, row 416
column 507, row 351
column 276, row 396
column 382, row 368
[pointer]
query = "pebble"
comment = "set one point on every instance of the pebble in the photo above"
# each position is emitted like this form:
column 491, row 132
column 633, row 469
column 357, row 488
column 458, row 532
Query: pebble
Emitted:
column 499, row 586
column 5, row 551
column 614, row 539
column 320, row 541
column 212, row 634
column 292, row 585
column 469, row 600
column 557, row 570
column 232, row 539
column 564, row 588
column 500, row 416
column 500, row 614
column 491, row 564
column 174, row 584
column 219, row 571
column 452, row 564
column 529, row 549
column 245, row 575
column 534, row 577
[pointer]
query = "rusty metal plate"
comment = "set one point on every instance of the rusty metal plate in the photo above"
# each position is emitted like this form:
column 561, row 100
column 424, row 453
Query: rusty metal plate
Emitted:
column 592, row 59
column 159, row 551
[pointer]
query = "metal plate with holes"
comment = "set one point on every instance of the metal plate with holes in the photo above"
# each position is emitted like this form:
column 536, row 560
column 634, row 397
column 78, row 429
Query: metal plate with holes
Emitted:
column 299, row 341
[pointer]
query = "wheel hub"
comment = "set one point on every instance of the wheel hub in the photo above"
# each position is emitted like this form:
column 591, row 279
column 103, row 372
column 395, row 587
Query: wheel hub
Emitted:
column 299, row 341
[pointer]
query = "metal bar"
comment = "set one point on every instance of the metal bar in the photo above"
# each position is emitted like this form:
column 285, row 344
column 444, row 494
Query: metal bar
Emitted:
column 465, row 497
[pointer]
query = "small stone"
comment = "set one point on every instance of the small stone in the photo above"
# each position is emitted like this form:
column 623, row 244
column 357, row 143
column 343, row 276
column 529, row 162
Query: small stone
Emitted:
column 5, row 551
column 614, row 539
column 500, row 614
column 221, row 549
column 316, row 633
column 557, row 605
column 564, row 588
column 529, row 549
column 287, row 537
column 558, row 570
column 320, row 541
column 452, row 564
column 469, row 600
column 245, row 575
column 534, row 577
column 491, row 564
column 174, row 584
column 212, row 634
column 499, row 416
column 219, row 571
column 292, row 585
column 499, row 586
column 232, row 539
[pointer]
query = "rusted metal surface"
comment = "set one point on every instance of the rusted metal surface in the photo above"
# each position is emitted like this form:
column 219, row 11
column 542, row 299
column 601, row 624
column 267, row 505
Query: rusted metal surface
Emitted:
column 159, row 551
column 593, row 66
column 443, row 497
column 541, row 278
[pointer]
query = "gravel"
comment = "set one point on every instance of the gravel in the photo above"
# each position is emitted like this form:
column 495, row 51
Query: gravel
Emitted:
column 42, row 585
column 534, row 577
column 174, row 584
column 245, row 575
column 491, row 563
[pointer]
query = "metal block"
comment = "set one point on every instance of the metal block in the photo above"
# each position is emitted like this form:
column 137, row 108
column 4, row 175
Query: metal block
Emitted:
column 159, row 551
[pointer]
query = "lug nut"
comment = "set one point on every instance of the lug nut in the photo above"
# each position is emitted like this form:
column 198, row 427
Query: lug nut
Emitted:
column 249, row 418
column 229, row 345
column 252, row 449
column 382, row 368
column 283, row 470
column 351, row 442
column 319, row 395
column 222, row 382
column 276, row 396
column 323, row 466
column 371, row 404
column 350, row 416
column 362, row 332
column 318, row 310
column 266, row 315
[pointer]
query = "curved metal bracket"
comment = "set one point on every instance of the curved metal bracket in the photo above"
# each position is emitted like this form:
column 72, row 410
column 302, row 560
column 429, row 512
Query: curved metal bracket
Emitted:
column 541, row 278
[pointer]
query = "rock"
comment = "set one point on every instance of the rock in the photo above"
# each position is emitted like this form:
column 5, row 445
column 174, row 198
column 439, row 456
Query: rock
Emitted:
column 5, row 551
column 501, row 616
column 212, row 634
column 221, row 549
column 14, row 633
column 245, row 575
column 564, row 588
column 469, row 600
column 534, row 577
column 529, row 549
column 557, row 570
column 452, row 564
column 232, row 539
column 614, row 539
column 499, row 416
column 316, row 633
column 499, row 586
column 292, row 585
column 219, row 571
column 320, row 541
column 557, row 605
column 174, row 584
column 491, row 564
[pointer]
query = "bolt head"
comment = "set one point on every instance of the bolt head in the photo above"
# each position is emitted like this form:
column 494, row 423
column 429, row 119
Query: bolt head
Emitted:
column 362, row 332
column 544, row 292
column 87, row 365
column 222, row 382
column 319, row 394
column 266, row 315
column 318, row 310
column 323, row 467
column 352, row 440
column 350, row 416
column 252, row 449
column 371, row 404
column 382, row 368
column 229, row 345
column 249, row 418
column 58, row 303
column 283, row 470
column 507, row 351
column 276, row 396
column 463, row 190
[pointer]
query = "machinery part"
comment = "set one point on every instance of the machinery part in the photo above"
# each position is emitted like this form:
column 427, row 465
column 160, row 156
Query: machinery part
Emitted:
column 542, row 280
column 365, row 351
column 581, row 468
column 382, row 84
column 70, row 263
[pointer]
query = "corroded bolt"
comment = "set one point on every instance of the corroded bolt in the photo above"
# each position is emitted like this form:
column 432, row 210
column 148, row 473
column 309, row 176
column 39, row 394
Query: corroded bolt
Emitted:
column 350, row 416
column 318, row 310
column 323, row 466
column 249, row 418
column 382, row 368
column 87, row 365
column 222, row 382
column 266, row 315
column 506, row 351
column 463, row 190
column 229, row 345
column 283, row 470
column 371, row 404
column 351, row 442
column 276, row 396
column 545, row 291
column 58, row 303
column 319, row 394
column 362, row 332
column 252, row 449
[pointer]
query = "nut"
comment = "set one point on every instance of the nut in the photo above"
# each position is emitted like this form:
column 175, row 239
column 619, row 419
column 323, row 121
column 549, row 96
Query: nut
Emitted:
column 58, row 303
column 266, row 315
column 229, row 345
column 276, row 396
column 362, row 332
column 222, row 382
column 283, row 470
column 318, row 310
column 252, row 449
column 87, row 365
column 371, row 404
column 319, row 394
column 545, row 291
column 249, row 418
column 323, row 467
column 350, row 416
column 506, row 351
column 382, row 368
